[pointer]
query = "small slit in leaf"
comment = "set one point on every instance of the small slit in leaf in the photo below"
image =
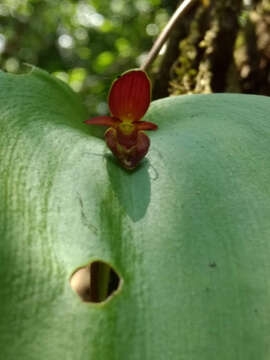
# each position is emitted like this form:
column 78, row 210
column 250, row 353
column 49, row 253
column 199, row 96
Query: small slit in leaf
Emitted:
column 96, row 282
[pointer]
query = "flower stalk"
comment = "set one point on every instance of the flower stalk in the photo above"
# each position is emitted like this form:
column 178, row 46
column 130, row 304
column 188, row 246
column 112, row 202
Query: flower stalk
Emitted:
column 162, row 38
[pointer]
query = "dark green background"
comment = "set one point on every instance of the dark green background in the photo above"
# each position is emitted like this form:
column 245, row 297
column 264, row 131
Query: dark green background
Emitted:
column 85, row 43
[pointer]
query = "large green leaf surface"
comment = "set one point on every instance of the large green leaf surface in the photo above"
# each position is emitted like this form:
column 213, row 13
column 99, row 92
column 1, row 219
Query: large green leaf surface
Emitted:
column 188, row 231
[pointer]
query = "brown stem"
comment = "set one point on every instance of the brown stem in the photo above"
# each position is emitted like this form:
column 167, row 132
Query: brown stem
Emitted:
column 180, row 11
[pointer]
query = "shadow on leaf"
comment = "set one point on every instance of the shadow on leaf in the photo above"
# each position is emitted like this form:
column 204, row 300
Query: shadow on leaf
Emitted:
column 130, row 186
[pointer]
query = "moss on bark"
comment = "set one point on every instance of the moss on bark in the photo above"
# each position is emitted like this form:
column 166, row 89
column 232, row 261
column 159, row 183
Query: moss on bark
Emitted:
column 224, row 47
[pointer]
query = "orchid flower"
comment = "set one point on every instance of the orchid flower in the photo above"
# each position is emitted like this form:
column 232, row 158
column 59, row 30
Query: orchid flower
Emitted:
column 129, row 99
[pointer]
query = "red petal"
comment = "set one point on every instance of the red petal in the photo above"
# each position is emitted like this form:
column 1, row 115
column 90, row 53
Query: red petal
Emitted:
column 103, row 121
column 146, row 125
column 129, row 96
column 111, row 140
column 142, row 146
column 130, row 158
column 127, row 140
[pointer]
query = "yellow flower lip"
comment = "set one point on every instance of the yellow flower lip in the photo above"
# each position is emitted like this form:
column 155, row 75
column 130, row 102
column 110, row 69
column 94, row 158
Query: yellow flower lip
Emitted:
column 128, row 118
column 126, row 127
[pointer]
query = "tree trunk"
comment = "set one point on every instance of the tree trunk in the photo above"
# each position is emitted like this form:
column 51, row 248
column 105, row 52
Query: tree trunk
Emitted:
column 223, row 47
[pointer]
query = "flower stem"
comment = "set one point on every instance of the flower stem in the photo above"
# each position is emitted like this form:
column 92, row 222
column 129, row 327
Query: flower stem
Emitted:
column 99, row 281
column 104, row 278
column 180, row 11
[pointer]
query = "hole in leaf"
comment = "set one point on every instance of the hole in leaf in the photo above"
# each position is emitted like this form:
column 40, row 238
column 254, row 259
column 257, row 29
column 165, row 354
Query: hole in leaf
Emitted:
column 95, row 282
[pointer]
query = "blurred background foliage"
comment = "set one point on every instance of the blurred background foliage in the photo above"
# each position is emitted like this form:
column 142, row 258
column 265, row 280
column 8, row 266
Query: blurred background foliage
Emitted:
column 218, row 46
column 85, row 43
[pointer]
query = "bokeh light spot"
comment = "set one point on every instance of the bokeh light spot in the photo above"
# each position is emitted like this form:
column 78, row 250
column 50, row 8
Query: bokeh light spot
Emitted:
column 2, row 43
column 152, row 29
column 66, row 41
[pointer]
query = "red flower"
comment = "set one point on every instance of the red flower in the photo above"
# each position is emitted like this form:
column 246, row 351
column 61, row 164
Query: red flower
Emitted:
column 129, row 99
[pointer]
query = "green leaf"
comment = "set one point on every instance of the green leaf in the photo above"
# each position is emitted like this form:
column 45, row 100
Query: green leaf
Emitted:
column 187, row 232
